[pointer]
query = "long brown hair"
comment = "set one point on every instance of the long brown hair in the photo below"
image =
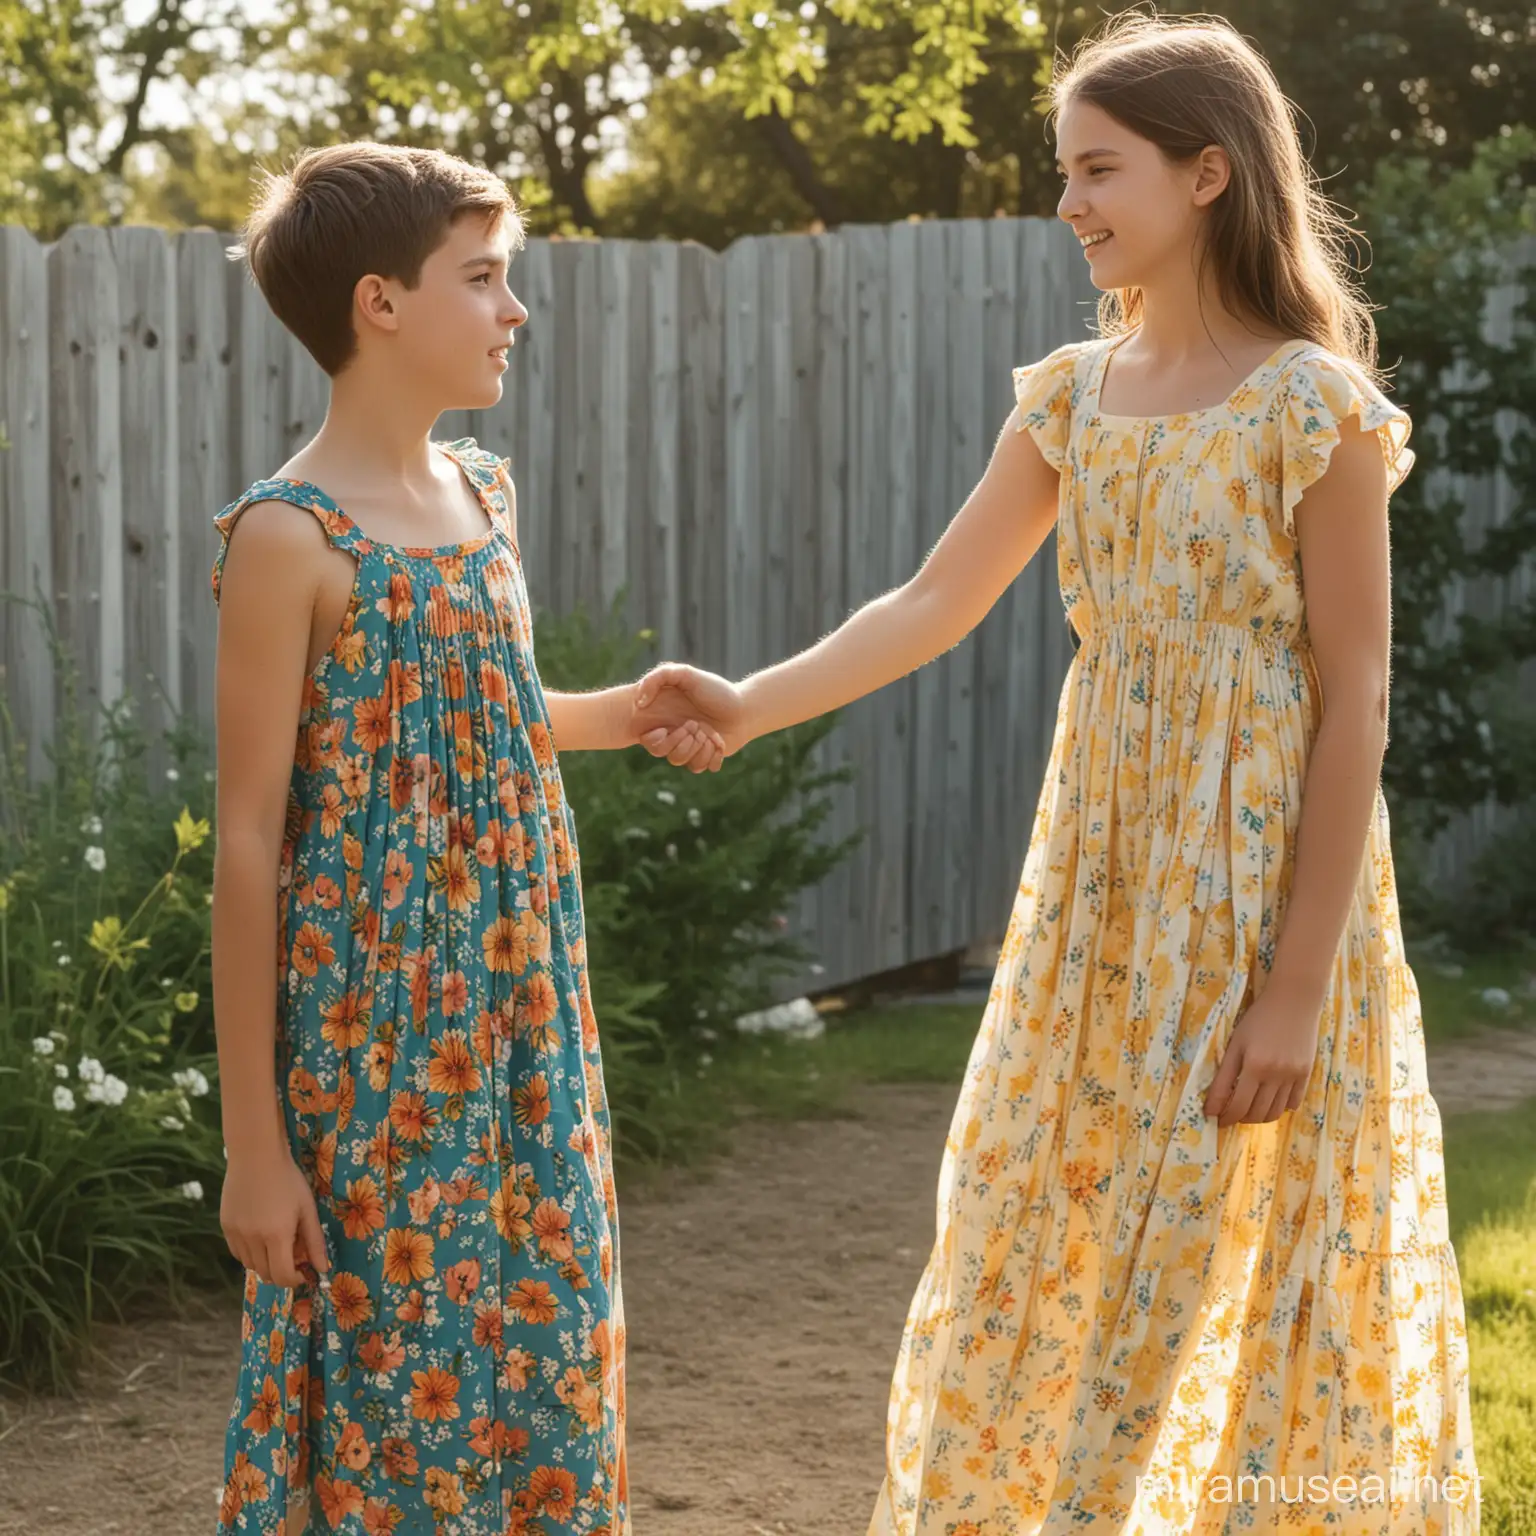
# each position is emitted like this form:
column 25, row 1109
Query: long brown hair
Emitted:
column 1279, row 247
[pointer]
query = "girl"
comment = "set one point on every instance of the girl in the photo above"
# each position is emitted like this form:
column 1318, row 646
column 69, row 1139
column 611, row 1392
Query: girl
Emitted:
column 419, row 1175
column 1192, row 1271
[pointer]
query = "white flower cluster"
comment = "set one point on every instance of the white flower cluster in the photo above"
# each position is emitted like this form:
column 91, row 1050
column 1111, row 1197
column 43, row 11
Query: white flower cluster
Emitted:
column 101, row 1087
column 192, row 1081
column 795, row 1020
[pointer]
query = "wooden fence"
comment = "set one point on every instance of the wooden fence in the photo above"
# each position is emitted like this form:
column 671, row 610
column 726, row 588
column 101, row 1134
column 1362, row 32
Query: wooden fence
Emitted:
column 752, row 443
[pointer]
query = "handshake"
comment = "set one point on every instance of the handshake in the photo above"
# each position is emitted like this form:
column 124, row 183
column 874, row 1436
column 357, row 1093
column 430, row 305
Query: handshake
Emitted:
column 694, row 719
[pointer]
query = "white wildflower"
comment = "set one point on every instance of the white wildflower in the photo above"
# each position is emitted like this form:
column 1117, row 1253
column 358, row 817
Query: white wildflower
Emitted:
column 746, row 885
column 171, row 775
column 695, row 817
column 192, row 1080
column 60, row 1069
column 64, row 960
column 63, row 1100
column 634, row 832
column 96, row 858
column 91, row 1070
column 91, row 826
column 110, row 1090
column 172, row 1123
column 666, row 797
column 44, row 1045
column 191, row 1189
column 672, row 851
column 1496, row 997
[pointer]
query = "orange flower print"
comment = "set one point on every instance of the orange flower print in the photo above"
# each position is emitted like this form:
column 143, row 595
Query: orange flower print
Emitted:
column 506, row 946
column 581, row 1396
column 399, row 1457
column 350, row 1299
column 372, row 723
column 555, row 1489
column 407, row 1255
column 489, row 1327
column 424, row 1201
column 404, row 683
column 312, row 949
column 462, row 1280
column 400, row 602
column 532, row 1100
column 552, row 1226
column 339, row 1500
column 543, row 747
column 378, row 1519
column 461, row 884
column 346, row 1021
column 509, row 1211
column 434, row 1394
column 398, row 874
column 267, row 1410
column 533, row 1301
column 444, row 1494
column 539, row 1003
column 381, row 1352
column 493, row 683
column 352, row 1448
column 455, row 994
column 333, row 809
column 360, row 1210
column 517, row 1370
column 453, row 1068
column 411, row 1116
column 354, row 777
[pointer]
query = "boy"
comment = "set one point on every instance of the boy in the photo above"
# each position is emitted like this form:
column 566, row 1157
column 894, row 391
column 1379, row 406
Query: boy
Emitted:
column 419, row 1173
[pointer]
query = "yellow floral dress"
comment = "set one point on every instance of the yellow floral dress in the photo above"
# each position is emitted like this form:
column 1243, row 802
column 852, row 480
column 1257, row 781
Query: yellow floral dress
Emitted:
column 1134, row 1321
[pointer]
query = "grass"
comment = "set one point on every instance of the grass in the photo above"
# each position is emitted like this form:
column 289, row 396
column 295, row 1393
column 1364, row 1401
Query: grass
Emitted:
column 1490, row 1178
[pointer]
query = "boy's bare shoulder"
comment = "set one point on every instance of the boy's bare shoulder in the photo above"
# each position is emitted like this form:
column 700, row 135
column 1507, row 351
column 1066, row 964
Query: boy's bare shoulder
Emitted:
column 274, row 527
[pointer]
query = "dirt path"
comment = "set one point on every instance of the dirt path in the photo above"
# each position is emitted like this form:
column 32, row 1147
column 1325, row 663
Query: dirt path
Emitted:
column 765, row 1302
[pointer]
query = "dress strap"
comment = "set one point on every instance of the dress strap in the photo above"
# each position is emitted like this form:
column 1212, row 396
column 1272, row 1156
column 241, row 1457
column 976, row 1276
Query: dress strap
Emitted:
column 491, row 477
column 340, row 531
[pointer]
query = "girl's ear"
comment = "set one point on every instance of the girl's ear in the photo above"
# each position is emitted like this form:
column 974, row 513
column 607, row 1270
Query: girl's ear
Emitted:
column 1213, row 171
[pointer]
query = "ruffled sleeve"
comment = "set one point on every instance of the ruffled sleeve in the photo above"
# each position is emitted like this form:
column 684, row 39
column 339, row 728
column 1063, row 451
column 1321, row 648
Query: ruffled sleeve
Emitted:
column 1322, row 390
column 1046, row 392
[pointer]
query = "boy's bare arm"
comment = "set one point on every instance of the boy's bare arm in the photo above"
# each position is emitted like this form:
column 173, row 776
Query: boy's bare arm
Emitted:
column 266, row 606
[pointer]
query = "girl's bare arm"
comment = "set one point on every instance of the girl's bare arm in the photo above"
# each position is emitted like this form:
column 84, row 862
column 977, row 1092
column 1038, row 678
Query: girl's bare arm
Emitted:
column 988, row 542
column 1341, row 530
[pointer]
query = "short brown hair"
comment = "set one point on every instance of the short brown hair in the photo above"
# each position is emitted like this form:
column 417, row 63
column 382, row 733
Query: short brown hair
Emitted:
column 337, row 214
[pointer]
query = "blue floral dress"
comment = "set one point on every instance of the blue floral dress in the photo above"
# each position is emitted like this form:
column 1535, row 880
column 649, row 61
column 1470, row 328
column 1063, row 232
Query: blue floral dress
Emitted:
column 460, row 1371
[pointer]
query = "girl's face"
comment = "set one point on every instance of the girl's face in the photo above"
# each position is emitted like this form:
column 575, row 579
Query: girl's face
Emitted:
column 457, row 324
column 1138, row 216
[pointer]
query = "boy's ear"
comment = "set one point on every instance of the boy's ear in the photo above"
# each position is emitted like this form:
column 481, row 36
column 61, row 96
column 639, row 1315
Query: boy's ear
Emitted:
column 375, row 303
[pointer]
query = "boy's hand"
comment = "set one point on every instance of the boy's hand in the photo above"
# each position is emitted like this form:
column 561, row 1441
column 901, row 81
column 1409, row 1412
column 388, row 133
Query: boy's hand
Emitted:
column 674, row 696
column 270, row 1219
column 667, row 728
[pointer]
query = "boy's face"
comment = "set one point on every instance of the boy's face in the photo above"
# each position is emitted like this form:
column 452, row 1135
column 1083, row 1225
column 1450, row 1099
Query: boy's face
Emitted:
column 454, row 328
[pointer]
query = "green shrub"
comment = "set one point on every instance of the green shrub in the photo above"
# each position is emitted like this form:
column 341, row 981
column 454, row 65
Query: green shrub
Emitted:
column 110, row 1146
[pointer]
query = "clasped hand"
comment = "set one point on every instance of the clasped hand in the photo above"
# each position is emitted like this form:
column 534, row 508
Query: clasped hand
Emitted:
column 694, row 719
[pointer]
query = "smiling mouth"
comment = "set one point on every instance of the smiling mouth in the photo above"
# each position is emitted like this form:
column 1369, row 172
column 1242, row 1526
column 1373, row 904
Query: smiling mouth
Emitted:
column 1088, row 242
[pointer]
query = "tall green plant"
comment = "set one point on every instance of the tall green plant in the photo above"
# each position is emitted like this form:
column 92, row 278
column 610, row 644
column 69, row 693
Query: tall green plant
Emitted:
column 1441, row 240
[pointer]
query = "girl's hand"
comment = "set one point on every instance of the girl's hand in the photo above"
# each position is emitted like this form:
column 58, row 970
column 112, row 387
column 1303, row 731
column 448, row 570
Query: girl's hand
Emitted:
column 270, row 1219
column 1268, row 1061
column 672, row 697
